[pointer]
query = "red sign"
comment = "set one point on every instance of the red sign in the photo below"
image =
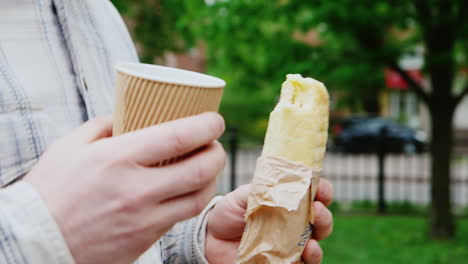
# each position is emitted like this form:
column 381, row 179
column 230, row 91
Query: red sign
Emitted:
column 393, row 79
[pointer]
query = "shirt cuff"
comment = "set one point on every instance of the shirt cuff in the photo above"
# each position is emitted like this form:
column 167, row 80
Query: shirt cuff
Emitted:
column 29, row 229
column 185, row 241
column 196, row 254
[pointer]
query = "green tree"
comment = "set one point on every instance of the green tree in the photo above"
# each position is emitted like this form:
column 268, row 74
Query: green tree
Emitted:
column 159, row 26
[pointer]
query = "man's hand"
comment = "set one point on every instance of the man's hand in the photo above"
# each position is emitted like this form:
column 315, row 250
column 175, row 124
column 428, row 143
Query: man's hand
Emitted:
column 226, row 225
column 108, row 201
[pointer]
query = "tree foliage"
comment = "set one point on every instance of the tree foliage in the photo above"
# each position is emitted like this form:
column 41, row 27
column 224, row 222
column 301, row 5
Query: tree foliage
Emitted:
column 159, row 26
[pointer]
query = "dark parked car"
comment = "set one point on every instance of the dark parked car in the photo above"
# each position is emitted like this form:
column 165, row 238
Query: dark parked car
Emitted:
column 367, row 135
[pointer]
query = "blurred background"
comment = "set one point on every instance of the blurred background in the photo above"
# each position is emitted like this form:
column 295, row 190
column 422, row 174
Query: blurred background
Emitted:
column 397, row 74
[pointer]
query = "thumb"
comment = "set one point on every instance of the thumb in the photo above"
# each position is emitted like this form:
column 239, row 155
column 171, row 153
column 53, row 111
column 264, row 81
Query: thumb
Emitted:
column 226, row 221
column 235, row 203
column 239, row 196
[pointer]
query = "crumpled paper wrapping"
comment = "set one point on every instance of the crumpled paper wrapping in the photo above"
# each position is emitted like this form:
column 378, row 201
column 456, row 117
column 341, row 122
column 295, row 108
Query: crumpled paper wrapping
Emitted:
column 279, row 212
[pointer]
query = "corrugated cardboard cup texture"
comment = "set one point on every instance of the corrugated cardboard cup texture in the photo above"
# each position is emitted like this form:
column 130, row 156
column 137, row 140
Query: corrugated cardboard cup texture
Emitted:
column 147, row 95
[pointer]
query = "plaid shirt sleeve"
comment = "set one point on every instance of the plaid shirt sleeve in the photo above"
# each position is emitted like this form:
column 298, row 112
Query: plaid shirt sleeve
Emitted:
column 28, row 233
column 73, row 47
column 185, row 242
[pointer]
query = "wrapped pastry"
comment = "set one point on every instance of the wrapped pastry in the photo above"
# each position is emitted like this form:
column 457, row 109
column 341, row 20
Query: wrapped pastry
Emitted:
column 279, row 209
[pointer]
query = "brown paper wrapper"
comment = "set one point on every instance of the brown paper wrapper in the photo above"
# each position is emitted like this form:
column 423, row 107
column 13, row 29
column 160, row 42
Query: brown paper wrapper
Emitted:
column 142, row 102
column 279, row 212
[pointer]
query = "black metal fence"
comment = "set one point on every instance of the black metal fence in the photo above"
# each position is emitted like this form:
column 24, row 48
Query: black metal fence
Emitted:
column 379, row 178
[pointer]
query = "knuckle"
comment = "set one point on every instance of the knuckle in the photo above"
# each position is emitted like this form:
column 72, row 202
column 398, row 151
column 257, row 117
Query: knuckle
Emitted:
column 95, row 121
column 322, row 215
column 328, row 216
column 129, row 203
column 330, row 229
column 217, row 155
column 219, row 148
column 100, row 153
column 326, row 191
column 109, row 162
column 178, row 141
column 244, row 187
column 198, row 205
column 98, row 121
column 192, row 211
column 202, row 176
column 132, row 199
column 313, row 252
column 220, row 154
column 323, row 221
column 317, row 254
column 218, row 123
column 330, row 201
column 186, row 214
column 240, row 195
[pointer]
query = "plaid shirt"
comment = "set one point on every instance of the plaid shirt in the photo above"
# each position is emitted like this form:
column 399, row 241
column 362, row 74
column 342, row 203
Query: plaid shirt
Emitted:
column 57, row 62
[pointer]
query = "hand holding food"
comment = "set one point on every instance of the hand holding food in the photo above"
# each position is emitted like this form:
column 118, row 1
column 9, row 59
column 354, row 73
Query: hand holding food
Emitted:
column 287, row 175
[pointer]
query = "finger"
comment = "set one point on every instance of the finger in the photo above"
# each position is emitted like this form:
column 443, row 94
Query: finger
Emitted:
column 323, row 222
column 313, row 254
column 239, row 196
column 171, row 139
column 324, row 192
column 231, row 209
column 188, row 175
column 90, row 131
column 184, row 207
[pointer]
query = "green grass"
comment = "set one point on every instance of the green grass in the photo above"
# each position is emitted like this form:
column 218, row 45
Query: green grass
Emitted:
column 394, row 207
column 391, row 240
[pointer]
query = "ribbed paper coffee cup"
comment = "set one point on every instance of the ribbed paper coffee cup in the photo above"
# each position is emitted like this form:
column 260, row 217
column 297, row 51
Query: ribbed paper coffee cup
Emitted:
column 147, row 95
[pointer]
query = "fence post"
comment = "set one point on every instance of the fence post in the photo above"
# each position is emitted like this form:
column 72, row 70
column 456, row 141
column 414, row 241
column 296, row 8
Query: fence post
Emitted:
column 233, row 141
column 381, row 168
